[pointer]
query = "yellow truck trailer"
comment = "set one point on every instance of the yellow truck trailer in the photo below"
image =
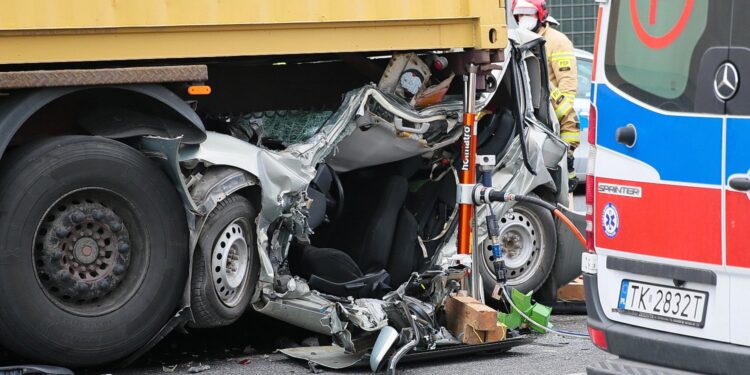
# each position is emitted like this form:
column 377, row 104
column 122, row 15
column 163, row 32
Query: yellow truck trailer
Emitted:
column 169, row 163
column 55, row 31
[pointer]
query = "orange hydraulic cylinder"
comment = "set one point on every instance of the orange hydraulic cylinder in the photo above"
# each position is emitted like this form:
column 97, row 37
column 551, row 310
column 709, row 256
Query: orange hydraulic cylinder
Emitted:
column 468, row 176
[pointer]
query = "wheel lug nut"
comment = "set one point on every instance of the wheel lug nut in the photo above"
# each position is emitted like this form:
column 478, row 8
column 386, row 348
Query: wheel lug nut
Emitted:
column 63, row 276
column 61, row 232
column 97, row 215
column 123, row 248
column 115, row 226
column 77, row 217
column 118, row 270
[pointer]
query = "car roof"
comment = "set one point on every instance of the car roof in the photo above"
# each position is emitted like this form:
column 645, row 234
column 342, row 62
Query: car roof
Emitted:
column 581, row 54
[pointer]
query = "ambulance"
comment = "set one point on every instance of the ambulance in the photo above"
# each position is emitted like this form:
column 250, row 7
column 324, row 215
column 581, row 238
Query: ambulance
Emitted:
column 667, row 272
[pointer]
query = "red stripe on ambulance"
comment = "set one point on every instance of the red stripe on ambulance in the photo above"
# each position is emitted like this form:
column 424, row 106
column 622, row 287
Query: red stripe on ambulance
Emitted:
column 668, row 221
column 738, row 222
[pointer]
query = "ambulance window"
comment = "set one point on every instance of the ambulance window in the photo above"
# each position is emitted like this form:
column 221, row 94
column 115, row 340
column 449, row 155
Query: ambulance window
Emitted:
column 654, row 47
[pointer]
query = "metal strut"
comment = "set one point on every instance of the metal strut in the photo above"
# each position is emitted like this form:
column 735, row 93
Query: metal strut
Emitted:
column 468, row 174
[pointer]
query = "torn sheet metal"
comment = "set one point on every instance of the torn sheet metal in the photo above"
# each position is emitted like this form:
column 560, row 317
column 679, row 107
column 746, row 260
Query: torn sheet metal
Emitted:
column 282, row 177
column 310, row 312
column 333, row 357
column 367, row 314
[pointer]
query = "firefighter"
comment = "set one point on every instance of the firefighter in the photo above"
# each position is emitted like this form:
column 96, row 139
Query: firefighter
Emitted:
column 533, row 15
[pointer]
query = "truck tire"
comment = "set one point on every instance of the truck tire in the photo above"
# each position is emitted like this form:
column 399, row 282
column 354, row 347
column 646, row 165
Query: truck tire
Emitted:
column 529, row 240
column 93, row 250
column 225, row 264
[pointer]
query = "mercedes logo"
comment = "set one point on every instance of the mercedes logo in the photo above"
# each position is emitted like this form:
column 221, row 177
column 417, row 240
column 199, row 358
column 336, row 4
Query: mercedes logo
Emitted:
column 726, row 81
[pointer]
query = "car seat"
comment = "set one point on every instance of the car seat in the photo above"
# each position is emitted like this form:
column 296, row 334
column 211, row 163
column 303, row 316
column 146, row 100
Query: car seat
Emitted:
column 371, row 249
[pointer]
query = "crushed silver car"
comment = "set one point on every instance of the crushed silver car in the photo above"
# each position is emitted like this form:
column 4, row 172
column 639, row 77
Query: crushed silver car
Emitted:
column 343, row 221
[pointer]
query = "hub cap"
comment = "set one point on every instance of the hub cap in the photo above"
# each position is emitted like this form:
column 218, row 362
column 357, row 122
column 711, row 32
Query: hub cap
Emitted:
column 82, row 251
column 229, row 263
column 521, row 241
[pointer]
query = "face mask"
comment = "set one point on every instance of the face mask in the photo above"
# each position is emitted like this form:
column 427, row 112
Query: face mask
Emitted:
column 527, row 22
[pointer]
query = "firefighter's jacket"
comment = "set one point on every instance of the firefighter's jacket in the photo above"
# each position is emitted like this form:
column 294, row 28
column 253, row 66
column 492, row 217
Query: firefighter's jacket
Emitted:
column 563, row 75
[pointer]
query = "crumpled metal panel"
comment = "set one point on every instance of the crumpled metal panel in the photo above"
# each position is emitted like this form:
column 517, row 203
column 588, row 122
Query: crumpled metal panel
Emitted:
column 332, row 357
column 284, row 175
column 281, row 176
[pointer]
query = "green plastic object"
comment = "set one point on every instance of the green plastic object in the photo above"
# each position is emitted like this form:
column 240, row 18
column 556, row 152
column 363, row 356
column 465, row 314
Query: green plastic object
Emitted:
column 522, row 301
column 536, row 311
column 540, row 314
column 512, row 320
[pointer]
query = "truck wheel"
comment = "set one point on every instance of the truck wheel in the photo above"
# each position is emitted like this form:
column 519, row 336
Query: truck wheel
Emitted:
column 93, row 250
column 529, row 241
column 225, row 265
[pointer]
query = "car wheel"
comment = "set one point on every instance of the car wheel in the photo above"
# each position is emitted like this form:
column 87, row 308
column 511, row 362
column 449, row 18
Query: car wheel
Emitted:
column 226, row 264
column 93, row 250
column 529, row 241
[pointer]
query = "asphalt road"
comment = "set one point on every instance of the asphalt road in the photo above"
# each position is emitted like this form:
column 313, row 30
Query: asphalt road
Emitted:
column 223, row 351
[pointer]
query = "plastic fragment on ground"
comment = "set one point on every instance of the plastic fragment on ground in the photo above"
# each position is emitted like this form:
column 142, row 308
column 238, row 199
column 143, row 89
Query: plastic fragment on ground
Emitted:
column 198, row 369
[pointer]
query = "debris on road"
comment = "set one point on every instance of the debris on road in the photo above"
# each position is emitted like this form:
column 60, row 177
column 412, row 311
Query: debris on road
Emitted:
column 199, row 368
column 313, row 367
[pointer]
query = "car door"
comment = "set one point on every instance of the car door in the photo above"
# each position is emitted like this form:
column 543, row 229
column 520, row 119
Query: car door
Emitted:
column 732, row 83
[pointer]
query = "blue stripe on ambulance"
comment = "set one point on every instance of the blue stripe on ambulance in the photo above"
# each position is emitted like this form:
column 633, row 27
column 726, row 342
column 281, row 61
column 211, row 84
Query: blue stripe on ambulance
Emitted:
column 681, row 148
column 738, row 142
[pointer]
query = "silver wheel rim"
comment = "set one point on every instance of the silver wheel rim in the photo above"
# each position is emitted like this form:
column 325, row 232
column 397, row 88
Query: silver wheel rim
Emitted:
column 230, row 262
column 521, row 240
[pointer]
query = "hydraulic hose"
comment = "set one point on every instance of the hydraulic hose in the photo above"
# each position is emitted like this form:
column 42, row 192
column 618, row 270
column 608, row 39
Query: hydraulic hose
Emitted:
column 486, row 195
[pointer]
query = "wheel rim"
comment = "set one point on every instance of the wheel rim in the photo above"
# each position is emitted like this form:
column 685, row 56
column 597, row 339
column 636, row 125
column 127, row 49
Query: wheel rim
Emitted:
column 521, row 239
column 89, row 254
column 230, row 262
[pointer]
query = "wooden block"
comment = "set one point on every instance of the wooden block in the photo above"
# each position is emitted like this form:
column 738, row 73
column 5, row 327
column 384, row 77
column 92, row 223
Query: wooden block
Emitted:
column 497, row 334
column 572, row 292
column 463, row 311
column 473, row 336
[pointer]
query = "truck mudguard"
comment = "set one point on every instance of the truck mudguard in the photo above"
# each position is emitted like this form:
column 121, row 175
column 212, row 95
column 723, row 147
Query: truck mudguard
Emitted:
column 15, row 111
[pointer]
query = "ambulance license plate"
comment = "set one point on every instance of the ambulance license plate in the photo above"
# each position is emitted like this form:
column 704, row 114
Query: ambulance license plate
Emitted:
column 652, row 301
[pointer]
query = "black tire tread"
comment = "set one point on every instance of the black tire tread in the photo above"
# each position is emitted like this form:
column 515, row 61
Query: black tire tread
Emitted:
column 23, row 166
column 205, row 313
